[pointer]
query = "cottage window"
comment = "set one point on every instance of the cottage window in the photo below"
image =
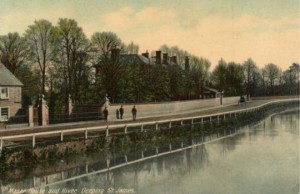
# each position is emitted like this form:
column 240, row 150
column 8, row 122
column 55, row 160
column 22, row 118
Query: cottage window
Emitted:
column 4, row 114
column 4, row 93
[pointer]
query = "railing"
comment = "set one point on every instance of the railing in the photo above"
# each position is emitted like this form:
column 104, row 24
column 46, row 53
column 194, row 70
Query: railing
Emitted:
column 109, row 128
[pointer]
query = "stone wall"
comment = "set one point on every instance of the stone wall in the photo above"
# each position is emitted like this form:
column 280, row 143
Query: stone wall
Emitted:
column 156, row 109
column 14, row 102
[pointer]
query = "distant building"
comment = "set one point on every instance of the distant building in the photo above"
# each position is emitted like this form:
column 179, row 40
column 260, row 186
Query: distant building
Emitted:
column 209, row 93
column 10, row 94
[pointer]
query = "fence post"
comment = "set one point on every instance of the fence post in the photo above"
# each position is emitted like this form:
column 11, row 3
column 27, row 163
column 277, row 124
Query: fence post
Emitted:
column 170, row 124
column 85, row 134
column 210, row 118
column 125, row 130
column 61, row 136
column 201, row 120
column 33, row 141
column 107, row 131
column 170, row 146
column 107, row 163
column 181, row 122
column 224, row 116
column 1, row 145
column 142, row 127
column 142, row 154
column 125, row 158
column 192, row 121
column 156, row 150
column 156, row 126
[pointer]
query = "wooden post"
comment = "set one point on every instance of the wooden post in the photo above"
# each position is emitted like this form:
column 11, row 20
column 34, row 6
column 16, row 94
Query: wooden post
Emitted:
column 125, row 158
column 210, row 118
column 156, row 126
column 224, row 116
column 181, row 144
column 33, row 141
column 170, row 124
column 107, row 163
column 1, row 145
column 61, row 136
column 125, row 130
column 107, row 131
column 142, row 128
column 142, row 154
column 86, row 134
column 170, row 146
column 181, row 122
column 86, row 168
column 192, row 121
column 156, row 150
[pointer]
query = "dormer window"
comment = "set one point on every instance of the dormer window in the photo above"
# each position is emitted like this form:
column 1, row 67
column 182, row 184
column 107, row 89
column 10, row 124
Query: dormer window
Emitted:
column 4, row 93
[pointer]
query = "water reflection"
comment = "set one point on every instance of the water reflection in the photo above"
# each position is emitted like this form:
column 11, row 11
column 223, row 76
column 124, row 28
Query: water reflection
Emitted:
column 259, row 158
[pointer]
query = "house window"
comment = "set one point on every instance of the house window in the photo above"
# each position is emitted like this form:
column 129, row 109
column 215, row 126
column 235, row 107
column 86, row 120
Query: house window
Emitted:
column 4, row 93
column 4, row 114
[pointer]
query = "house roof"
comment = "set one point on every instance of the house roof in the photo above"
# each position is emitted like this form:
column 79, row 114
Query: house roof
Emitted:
column 7, row 78
column 129, row 58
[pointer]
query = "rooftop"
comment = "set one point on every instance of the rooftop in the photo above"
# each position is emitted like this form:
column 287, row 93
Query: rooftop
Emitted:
column 7, row 78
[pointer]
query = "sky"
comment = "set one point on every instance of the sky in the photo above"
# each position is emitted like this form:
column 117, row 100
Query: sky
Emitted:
column 265, row 30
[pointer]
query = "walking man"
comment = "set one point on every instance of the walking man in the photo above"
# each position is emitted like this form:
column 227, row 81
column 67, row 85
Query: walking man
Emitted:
column 105, row 113
column 133, row 111
column 121, row 112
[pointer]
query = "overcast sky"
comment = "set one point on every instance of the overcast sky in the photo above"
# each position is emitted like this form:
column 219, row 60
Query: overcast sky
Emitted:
column 265, row 30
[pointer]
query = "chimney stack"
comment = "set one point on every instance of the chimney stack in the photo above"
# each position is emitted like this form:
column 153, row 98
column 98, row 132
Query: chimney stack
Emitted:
column 165, row 58
column 158, row 57
column 187, row 63
column 146, row 54
column 174, row 59
column 115, row 54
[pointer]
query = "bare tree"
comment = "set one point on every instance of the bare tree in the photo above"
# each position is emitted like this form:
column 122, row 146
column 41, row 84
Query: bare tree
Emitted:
column 13, row 51
column 250, row 71
column 104, row 42
column 38, row 37
column 272, row 74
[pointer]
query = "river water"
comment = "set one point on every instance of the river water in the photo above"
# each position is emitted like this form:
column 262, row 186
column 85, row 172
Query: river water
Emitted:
column 258, row 158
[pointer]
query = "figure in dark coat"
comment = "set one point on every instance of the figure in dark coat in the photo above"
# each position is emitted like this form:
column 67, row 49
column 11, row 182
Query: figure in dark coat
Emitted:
column 117, row 114
column 105, row 113
column 133, row 111
column 121, row 112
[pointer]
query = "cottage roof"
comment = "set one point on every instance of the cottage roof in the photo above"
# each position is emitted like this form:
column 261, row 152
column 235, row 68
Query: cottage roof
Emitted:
column 7, row 78
column 211, row 89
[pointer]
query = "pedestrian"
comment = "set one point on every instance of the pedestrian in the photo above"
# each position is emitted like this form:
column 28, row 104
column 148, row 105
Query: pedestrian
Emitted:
column 133, row 111
column 121, row 112
column 117, row 114
column 105, row 113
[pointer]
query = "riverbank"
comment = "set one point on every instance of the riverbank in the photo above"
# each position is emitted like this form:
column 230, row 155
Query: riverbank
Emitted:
column 32, row 158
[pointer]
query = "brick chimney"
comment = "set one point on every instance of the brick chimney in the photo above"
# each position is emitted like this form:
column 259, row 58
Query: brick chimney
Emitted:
column 186, row 63
column 146, row 54
column 115, row 54
column 174, row 59
column 158, row 57
column 165, row 58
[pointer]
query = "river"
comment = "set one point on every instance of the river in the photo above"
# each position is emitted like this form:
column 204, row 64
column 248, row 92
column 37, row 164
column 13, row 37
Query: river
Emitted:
column 259, row 158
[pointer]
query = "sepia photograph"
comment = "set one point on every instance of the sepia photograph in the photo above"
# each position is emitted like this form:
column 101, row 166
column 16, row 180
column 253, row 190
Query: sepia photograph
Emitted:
column 149, row 97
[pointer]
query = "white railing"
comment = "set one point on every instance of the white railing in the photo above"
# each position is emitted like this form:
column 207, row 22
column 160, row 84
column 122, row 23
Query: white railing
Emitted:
column 107, row 128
